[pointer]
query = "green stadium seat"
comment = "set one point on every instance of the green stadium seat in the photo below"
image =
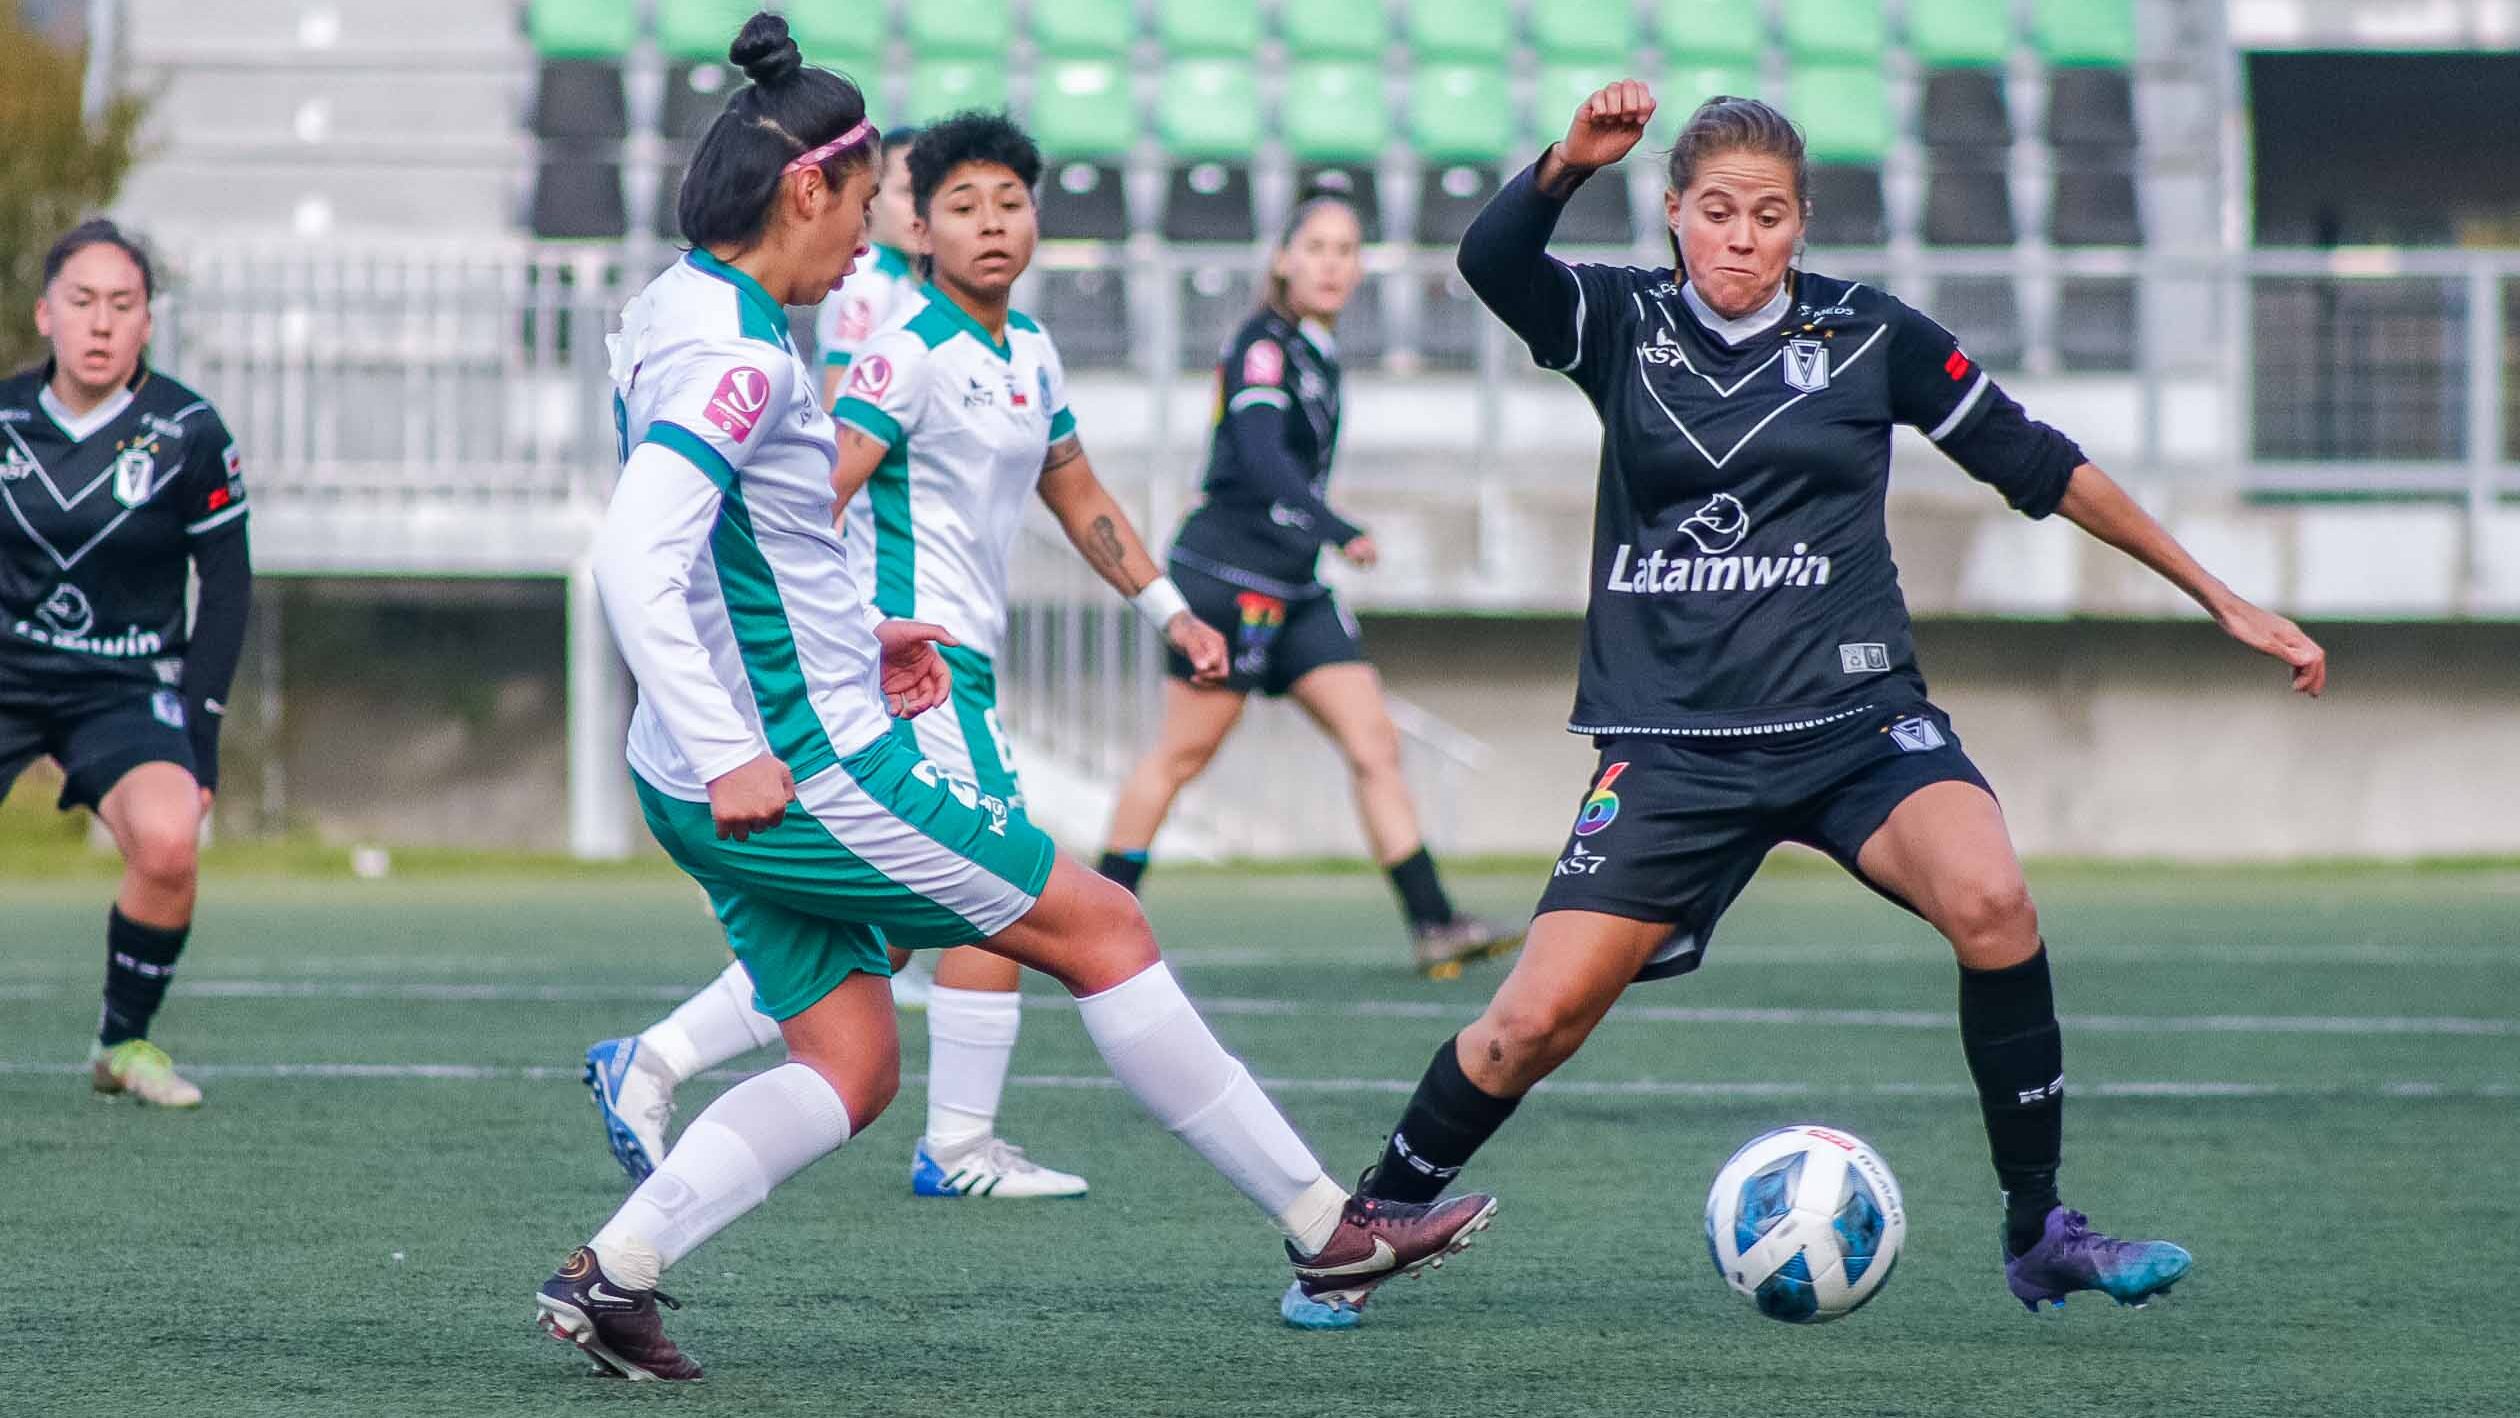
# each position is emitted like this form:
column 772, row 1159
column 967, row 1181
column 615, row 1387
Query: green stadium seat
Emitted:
column 1083, row 28
column 1959, row 34
column 847, row 35
column 1844, row 110
column 2085, row 32
column 1334, row 112
column 1599, row 214
column 1574, row 31
column 1221, row 28
column 1461, row 30
column 1711, row 31
column 698, row 31
column 1852, row 30
column 1460, row 113
column 1207, row 113
column 1562, row 88
column 583, row 29
column 1082, row 108
column 1691, row 84
column 966, row 29
column 942, row 86
column 1335, row 29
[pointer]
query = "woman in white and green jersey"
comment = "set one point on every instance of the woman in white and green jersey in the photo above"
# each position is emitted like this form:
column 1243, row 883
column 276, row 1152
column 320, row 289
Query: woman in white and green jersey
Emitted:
column 764, row 758
column 887, row 276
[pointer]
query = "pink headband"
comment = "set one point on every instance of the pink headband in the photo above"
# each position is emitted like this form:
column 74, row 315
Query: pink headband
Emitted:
column 816, row 157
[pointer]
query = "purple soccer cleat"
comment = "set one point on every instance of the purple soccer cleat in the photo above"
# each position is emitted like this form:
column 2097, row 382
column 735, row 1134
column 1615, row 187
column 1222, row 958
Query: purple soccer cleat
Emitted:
column 2070, row 1256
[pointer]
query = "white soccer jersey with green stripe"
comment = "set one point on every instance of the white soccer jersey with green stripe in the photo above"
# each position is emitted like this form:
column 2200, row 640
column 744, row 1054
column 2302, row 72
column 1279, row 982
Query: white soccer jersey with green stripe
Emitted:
column 966, row 421
column 865, row 303
column 727, row 587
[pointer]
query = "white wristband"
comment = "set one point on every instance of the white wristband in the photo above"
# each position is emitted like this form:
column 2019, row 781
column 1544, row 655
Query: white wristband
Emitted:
column 1160, row 602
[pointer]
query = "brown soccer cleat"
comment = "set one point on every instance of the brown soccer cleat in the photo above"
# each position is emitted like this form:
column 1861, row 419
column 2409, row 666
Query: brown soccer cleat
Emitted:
column 1441, row 951
column 1378, row 1240
column 619, row 1329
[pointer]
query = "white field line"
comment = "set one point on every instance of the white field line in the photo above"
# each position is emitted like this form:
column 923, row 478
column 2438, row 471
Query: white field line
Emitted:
column 477, row 992
column 1397, row 1087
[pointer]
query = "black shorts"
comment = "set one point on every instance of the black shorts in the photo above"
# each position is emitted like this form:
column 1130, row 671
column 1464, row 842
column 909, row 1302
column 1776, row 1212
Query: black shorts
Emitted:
column 1674, row 828
column 96, row 729
column 1274, row 640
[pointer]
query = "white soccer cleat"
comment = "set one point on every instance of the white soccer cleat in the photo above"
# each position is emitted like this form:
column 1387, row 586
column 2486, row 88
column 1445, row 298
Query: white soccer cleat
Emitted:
column 911, row 983
column 138, row 1069
column 635, row 1098
column 991, row 1167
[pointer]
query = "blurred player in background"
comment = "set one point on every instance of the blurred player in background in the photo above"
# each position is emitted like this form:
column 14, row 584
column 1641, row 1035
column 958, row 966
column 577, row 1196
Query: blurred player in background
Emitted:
column 1748, row 674
column 120, row 485
column 765, row 759
column 1247, row 558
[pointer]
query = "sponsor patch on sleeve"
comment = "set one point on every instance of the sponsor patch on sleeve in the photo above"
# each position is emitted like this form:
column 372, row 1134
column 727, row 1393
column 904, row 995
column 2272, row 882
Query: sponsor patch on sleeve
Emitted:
column 871, row 378
column 1957, row 366
column 857, row 320
column 741, row 397
column 1264, row 363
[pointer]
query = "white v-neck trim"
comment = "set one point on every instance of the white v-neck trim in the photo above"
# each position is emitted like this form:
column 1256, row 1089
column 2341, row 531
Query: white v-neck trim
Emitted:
column 1734, row 332
column 1320, row 336
column 80, row 427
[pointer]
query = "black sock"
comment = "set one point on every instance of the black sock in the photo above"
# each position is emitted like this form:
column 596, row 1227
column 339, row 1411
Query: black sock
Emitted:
column 1447, row 1119
column 1126, row 868
column 2008, row 1029
column 1421, row 894
column 139, row 965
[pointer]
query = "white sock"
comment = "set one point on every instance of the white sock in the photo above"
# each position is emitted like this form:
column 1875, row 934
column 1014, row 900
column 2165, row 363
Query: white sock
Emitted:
column 1162, row 1052
column 971, row 1040
column 758, row 1134
column 711, row 1027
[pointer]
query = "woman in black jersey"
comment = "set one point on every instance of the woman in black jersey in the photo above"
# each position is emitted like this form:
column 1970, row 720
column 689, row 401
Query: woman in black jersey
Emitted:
column 1246, row 560
column 118, row 485
column 1747, row 670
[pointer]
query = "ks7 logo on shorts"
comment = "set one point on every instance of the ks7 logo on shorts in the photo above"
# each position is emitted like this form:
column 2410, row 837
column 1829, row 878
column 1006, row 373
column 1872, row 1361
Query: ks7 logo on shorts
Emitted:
column 737, row 406
column 1602, row 808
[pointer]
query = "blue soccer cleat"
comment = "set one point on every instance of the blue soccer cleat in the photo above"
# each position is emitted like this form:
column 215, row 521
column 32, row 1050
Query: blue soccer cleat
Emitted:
column 1304, row 1312
column 635, row 1101
column 2070, row 1256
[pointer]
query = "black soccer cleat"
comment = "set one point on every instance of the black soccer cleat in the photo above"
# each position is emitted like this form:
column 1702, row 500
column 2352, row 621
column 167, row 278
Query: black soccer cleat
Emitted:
column 619, row 1329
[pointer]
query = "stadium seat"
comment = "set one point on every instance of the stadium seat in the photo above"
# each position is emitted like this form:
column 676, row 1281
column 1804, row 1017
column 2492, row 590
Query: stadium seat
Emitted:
column 1461, row 126
column 694, row 96
column 582, row 29
column 2094, row 206
column 667, row 223
column 1985, row 316
column 1336, row 123
column 1600, row 213
column 1850, row 30
column 847, row 35
column 2085, row 32
column 1225, row 29
column 2097, row 324
column 1844, row 111
column 1215, row 300
column 578, row 200
column 1688, row 85
column 1958, row 34
column 1073, row 29
column 1088, row 312
column 1964, row 108
column 966, row 29
column 1968, row 198
column 942, row 86
column 698, row 31
column 2091, row 107
column 1467, row 31
column 1449, row 321
column 1719, row 32
column 1335, row 29
column 1364, row 332
column 1086, row 121
column 1846, row 205
column 1576, row 31
column 580, row 100
column 1208, row 116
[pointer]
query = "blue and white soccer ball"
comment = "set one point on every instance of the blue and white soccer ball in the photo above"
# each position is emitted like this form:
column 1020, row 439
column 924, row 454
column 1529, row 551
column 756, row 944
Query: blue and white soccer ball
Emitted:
column 1806, row 1223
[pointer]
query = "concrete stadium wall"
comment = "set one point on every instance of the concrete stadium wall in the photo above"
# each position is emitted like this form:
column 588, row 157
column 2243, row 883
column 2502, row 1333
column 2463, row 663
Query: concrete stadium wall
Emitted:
column 2104, row 739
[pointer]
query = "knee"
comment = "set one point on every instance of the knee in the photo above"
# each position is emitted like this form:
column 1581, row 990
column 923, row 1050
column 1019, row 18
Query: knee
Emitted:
column 1179, row 763
column 879, row 1087
column 164, row 854
column 1990, row 913
column 1115, row 939
column 1526, row 1040
column 1374, row 752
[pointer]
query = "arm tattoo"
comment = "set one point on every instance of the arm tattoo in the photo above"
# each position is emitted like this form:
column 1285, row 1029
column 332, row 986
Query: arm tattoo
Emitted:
column 1103, row 550
column 1067, row 450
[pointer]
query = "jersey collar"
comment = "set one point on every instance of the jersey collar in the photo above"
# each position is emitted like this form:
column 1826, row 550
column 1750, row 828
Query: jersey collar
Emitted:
column 892, row 260
column 1734, row 332
column 763, row 307
column 1320, row 336
column 80, row 427
column 1003, row 349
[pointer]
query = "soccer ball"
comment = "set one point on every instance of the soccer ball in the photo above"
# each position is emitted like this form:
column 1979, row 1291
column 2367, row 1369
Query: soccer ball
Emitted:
column 1806, row 1222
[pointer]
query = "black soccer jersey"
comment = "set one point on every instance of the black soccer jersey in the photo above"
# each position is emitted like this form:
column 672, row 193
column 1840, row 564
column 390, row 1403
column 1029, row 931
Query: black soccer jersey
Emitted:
column 1741, row 577
column 1265, row 520
column 99, row 519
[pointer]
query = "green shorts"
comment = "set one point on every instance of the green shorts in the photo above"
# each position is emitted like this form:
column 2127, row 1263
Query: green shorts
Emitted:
column 964, row 737
column 884, row 849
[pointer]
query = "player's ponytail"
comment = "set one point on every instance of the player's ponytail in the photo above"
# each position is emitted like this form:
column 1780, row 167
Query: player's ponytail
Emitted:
column 1725, row 124
column 787, row 110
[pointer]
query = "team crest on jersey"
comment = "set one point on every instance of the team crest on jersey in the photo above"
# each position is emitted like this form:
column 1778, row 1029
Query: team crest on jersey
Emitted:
column 16, row 463
column 1918, row 735
column 1264, row 364
column 1719, row 526
column 737, row 405
column 134, row 470
column 1807, row 365
column 66, row 611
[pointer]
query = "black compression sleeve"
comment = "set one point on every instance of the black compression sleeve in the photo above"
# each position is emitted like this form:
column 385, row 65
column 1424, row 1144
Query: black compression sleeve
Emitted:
column 2020, row 457
column 1505, row 258
column 1258, row 431
column 226, row 569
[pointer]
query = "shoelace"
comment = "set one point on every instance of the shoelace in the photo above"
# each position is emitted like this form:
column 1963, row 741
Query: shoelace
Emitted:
column 1005, row 1156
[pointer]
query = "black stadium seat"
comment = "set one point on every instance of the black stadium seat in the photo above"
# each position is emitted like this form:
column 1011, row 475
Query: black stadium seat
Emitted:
column 1214, row 300
column 1984, row 314
column 1846, row 208
column 1209, row 201
column 1968, row 198
column 579, row 199
column 2097, row 323
column 1599, row 213
column 1084, row 201
column 1449, row 198
column 582, row 99
column 1090, row 311
column 2091, row 106
column 2095, row 203
column 1964, row 107
column 1354, row 181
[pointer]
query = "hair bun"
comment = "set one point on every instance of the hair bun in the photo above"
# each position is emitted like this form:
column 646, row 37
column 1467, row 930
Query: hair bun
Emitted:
column 764, row 52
